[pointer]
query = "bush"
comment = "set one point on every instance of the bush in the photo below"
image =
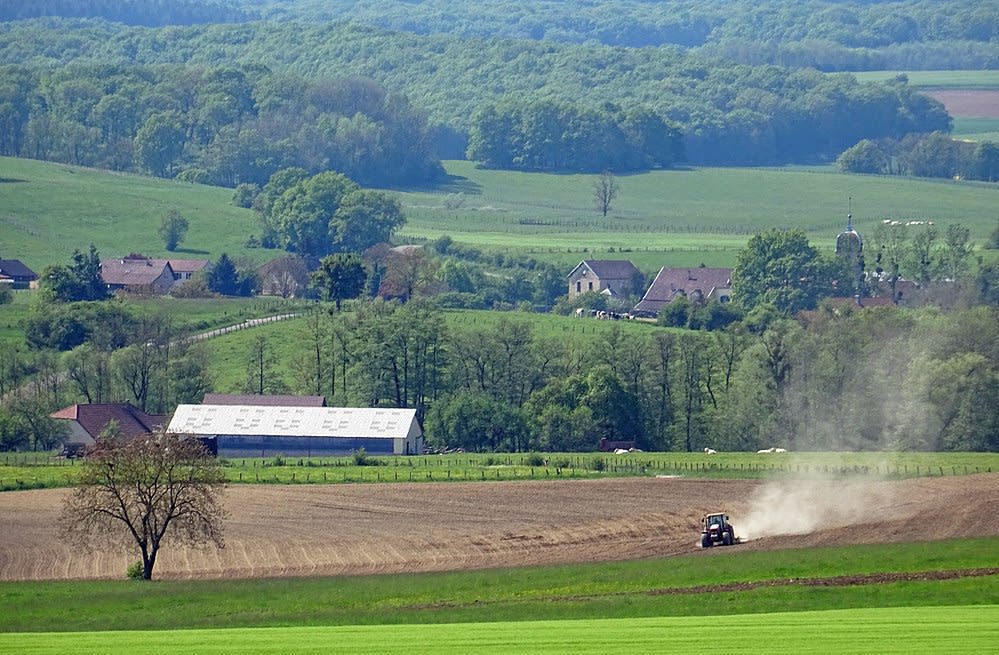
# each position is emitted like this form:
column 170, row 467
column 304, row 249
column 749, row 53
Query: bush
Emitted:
column 599, row 464
column 535, row 459
column 134, row 570
column 277, row 460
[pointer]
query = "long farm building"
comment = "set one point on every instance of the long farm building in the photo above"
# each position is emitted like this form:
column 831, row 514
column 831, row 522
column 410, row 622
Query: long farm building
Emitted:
column 264, row 431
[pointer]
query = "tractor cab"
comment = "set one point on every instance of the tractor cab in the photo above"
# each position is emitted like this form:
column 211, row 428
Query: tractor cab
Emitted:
column 717, row 530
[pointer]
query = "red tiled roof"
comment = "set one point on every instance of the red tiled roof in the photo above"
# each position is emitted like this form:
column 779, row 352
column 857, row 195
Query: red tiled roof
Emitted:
column 671, row 282
column 94, row 418
column 133, row 271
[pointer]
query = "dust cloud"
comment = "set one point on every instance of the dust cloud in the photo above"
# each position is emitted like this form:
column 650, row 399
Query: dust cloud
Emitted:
column 803, row 506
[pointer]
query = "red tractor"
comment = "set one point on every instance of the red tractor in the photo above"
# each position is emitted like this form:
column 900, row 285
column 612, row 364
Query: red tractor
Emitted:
column 716, row 530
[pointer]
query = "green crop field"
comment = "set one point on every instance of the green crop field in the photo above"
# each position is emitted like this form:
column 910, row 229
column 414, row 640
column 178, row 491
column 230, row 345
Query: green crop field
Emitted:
column 41, row 470
column 956, row 79
column 677, row 217
column 756, row 599
column 977, row 129
column 923, row 630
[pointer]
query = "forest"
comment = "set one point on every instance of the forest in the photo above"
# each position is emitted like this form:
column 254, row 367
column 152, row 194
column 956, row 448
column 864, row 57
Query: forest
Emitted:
column 281, row 100
column 829, row 35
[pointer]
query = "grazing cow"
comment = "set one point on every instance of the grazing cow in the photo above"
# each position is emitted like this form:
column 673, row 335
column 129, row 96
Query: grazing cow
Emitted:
column 766, row 450
column 710, row 451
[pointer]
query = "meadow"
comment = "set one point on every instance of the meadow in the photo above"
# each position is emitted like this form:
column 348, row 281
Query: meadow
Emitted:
column 680, row 217
column 761, row 600
column 42, row 470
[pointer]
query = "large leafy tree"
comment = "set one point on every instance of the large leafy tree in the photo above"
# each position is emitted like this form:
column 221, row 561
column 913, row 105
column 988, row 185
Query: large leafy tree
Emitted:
column 173, row 228
column 781, row 268
column 363, row 219
column 145, row 492
column 340, row 277
column 304, row 214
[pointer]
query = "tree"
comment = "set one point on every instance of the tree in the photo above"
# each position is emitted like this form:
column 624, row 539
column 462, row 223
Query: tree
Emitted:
column 160, row 141
column 605, row 189
column 780, row 267
column 340, row 277
column 303, row 215
column 363, row 219
column 223, row 278
column 164, row 488
column 80, row 280
column 173, row 229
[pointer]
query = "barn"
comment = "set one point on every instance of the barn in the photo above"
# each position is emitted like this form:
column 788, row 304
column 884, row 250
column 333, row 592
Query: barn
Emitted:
column 297, row 431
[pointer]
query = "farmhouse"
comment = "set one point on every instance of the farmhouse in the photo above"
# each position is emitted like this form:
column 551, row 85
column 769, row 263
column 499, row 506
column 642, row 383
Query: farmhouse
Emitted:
column 16, row 274
column 138, row 274
column 612, row 277
column 184, row 269
column 263, row 430
column 696, row 284
column 88, row 421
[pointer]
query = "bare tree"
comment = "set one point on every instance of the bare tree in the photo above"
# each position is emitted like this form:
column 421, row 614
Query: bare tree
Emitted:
column 141, row 493
column 605, row 189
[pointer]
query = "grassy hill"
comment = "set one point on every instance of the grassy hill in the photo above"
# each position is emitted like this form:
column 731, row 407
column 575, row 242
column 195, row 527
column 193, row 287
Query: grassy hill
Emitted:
column 47, row 210
column 678, row 217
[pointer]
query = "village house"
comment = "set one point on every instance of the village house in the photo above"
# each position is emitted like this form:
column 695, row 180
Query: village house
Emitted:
column 612, row 277
column 138, row 274
column 699, row 285
column 16, row 274
column 184, row 269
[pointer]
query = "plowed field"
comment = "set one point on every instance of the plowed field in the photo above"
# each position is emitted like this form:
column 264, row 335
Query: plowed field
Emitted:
column 387, row 528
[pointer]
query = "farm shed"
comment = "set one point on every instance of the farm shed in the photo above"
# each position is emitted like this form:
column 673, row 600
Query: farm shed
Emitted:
column 88, row 421
column 295, row 431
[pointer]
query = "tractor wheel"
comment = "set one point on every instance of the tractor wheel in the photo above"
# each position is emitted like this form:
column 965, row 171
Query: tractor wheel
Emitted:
column 705, row 541
column 727, row 539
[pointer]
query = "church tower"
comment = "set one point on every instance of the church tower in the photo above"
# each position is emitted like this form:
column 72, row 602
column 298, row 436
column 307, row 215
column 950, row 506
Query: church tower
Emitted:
column 850, row 248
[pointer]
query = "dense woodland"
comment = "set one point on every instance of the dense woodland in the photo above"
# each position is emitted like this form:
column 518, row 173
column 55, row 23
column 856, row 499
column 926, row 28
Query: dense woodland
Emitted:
column 826, row 34
column 282, row 92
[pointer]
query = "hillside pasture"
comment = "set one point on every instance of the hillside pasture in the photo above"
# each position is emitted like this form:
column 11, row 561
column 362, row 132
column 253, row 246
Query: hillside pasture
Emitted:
column 680, row 217
column 677, row 217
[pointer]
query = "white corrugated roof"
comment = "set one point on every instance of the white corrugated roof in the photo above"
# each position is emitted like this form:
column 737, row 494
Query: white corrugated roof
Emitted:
column 256, row 420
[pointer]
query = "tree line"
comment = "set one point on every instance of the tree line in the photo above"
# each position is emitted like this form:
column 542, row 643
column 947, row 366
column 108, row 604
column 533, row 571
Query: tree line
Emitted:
column 858, row 35
column 923, row 155
column 222, row 126
column 148, row 13
column 235, row 128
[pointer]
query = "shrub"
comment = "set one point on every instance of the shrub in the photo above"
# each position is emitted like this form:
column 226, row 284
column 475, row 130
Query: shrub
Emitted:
column 535, row 459
column 134, row 570
column 599, row 464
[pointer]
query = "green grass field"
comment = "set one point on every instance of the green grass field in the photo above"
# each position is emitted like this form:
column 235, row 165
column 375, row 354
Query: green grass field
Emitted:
column 682, row 217
column 955, row 79
column 28, row 471
column 922, row 630
column 609, row 606
column 677, row 218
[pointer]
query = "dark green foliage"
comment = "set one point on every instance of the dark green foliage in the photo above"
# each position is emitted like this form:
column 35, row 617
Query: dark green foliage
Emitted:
column 779, row 267
column 546, row 135
column 79, row 281
column 130, row 12
column 65, row 326
column 223, row 278
column 340, row 277
column 603, row 107
column 173, row 228
column 478, row 422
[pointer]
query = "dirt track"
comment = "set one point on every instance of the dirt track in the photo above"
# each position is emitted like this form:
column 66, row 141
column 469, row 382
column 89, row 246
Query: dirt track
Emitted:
column 387, row 528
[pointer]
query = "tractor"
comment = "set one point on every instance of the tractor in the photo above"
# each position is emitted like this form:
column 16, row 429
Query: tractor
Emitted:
column 716, row 530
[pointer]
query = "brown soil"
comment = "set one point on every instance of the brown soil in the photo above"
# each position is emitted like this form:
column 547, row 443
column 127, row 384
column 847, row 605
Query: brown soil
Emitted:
column 389, row 528
column 968, row 103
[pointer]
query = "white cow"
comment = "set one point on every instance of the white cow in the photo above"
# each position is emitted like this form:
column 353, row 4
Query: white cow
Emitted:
column 710, row 451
